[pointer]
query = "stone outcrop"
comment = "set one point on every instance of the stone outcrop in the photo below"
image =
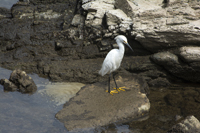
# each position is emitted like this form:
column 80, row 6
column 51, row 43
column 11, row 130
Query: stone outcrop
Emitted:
column 52, row 37
column 93, row 106
column 155, row 27
column 67, row 40
column 19, row 81
column 182, row 63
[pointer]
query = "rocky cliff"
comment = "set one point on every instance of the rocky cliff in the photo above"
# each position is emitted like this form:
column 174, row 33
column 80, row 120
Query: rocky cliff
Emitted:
column 66, row 40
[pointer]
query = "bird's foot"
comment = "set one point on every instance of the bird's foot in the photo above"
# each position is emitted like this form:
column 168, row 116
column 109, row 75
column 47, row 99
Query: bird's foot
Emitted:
column 120, row 89
column 113, row 91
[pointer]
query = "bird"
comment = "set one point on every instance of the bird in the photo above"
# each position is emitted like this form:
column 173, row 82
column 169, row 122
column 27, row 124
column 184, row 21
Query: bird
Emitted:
column 113, row 61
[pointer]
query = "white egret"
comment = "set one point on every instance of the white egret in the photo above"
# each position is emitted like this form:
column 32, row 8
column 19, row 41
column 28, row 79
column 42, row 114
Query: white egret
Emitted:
column 113, row 61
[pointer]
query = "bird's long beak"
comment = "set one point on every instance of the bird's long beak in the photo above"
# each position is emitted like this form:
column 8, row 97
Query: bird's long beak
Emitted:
column 128, row 45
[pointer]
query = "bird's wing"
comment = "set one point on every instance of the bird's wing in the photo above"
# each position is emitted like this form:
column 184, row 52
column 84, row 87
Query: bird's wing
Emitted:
column 108, row 65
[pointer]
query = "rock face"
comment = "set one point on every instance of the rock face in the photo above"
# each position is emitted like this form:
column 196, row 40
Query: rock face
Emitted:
column 19, row 81
column 184, row 63
column 54, row 37
column 93, row 107
column 189, row 125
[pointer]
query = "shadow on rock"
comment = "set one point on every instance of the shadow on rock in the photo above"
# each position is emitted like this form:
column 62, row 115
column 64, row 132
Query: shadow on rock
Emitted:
column 19, row 81
column 93, row 106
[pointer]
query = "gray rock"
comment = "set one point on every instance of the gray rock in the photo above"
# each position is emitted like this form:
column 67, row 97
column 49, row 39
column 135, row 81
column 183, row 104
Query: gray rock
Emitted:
column 115, row 17
column 176, row 21
column 127, row 7
column 158, row 28
column 189, row 125
column 159, row 82
column 176, row 67
column 8, row 86
column 134, row 8
column 49, row 14
column 19, row 11
column 190, row 54
column 97, row 5
column 45, row 32
column 19, row 81
column 165, row 58
column 93, row 107
column 77, row 20
column 5, row 13
column 24, row 83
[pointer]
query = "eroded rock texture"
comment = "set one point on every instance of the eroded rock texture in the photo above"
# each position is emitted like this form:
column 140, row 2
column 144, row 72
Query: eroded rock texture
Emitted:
column 54, row 37
column 93, row 106
column 19, row 81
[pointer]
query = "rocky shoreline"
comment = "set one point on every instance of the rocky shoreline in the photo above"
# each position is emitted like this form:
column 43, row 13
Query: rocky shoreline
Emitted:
column 52, row 38
column 67, row 40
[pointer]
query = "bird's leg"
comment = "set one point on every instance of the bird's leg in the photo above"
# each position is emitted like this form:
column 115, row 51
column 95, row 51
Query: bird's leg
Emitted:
column 117, row 88
column 113, row 91
column 109, row 83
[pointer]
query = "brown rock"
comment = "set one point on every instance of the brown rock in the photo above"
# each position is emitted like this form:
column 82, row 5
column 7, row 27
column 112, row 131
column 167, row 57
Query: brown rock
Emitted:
column 93, row 107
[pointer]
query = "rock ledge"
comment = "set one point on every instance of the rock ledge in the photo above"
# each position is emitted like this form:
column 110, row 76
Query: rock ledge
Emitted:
column 93, row 107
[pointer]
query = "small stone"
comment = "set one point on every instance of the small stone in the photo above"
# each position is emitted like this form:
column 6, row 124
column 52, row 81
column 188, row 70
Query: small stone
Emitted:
column 177, row 117
column 77, row 20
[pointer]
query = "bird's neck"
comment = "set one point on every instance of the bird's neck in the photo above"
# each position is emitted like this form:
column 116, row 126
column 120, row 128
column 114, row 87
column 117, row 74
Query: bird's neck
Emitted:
column 121, row 47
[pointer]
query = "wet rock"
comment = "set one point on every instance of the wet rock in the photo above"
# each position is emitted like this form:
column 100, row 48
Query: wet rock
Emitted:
column 92, row 106
column 159, row 82
column 8, row 85
column 5, row 13
column 174, row 99
column 175, row 66
column 23, row 10
column 19, row 81
column 189, row 125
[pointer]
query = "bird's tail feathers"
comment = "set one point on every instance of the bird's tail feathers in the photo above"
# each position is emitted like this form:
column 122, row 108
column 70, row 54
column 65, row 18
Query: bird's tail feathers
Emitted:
column 103, row 71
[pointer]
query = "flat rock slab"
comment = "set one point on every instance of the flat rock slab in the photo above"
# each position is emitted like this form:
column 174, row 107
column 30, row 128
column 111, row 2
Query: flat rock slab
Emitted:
column 93, row 107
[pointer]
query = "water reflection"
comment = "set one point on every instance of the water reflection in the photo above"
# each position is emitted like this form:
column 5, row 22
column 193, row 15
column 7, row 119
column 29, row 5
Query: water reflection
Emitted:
column 7, row 3
column 26, row 113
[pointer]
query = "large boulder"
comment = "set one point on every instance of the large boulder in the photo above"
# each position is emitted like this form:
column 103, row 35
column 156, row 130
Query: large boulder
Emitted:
column 93, row 106
column 176, row 67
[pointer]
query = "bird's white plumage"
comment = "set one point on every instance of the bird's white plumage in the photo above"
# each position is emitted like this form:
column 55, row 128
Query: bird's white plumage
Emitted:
column 113, row 59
